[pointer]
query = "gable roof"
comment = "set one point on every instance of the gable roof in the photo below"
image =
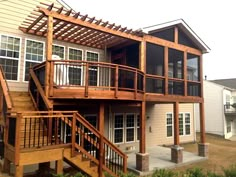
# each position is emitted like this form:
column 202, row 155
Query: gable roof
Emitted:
column 231, row 83
column 184, row 27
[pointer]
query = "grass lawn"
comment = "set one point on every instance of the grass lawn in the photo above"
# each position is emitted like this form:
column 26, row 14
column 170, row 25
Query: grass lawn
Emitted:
column 222, row 153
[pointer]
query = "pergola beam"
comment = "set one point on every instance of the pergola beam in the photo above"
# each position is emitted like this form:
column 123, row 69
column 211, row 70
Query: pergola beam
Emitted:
column 81, row 22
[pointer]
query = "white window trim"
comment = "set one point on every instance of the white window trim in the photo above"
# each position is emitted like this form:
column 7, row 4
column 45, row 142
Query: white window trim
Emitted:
column 18, row 70
column 28, row 39
column 85, row 59
column 169, row 124
column 63, row 47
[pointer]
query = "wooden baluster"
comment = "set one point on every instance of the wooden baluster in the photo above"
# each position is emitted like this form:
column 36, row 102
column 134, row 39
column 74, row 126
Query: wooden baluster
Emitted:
column 116, row 81
column 135, row 84
column 86, row 80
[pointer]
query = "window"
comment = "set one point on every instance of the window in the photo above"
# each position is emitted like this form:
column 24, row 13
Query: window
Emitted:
column 34, row 54
column 181, row 124
column 175, row 63
column 58, row 50
column 93, row 70
column 126, row 128
column 138, row 129
column 75, row 71
column 155, row 59
column 9, row 56
column 130, row 127
column 187, row 124
column 228, row 122
column 193, row 67
column 184, row 124
column 118, row 128
column 227, row 100
column 169, row 124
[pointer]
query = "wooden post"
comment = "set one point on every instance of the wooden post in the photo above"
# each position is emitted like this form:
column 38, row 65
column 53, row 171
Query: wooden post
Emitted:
column 202, row 123
column 59, row 166
column 19, row 171
column 49, row 43
column 142, row 142
column 73, row 135
column 17, row 138
column 185, row 75
column 142, row 56
column 176, row 123
column 101, row 145
column 166, row 70
column 51, row 80
column 176, row 35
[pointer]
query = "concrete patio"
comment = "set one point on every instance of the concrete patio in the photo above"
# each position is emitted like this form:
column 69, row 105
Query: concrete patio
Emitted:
column 160, row 157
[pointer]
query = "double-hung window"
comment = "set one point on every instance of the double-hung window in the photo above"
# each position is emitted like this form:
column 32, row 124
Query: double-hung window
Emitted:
column 126, row 127
column 118, row 128
column 184, row 124
column 34, row 54
column 169, row 124
column 10, row 55
column 93, row 70
column 59, row 51
column 75, row 69
column 130, row 127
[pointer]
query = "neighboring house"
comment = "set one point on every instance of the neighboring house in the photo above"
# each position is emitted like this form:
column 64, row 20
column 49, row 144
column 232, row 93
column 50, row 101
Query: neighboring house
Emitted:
column 220, row 107
column 95, row 89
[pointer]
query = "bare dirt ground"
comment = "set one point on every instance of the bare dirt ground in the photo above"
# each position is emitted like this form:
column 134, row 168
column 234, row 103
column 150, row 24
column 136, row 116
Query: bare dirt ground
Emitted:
column 222, row 154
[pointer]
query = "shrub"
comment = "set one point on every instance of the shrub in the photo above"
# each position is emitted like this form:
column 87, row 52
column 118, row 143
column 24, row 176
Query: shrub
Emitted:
column 194, row 172
column 231, row 171
column 163, row 173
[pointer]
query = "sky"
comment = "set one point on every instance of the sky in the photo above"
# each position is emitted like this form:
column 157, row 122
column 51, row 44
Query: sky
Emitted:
column 214, row 21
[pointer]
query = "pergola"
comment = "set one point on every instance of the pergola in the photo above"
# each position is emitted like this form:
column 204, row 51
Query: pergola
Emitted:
column 76, row 28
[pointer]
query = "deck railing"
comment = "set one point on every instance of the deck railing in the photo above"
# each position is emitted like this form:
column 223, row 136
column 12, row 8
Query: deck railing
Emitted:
column 5, row 97
column 36, row 90
column 37, row 129
column 230, row 109
column 87, row 75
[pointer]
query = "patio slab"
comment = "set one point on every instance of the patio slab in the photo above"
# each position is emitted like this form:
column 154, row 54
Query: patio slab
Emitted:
column 159, row 158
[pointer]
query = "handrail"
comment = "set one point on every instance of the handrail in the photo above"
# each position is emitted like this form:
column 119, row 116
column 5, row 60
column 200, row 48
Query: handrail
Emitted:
column 40, row 89
column 5, row 89
column 81, row 118
column 106, row 143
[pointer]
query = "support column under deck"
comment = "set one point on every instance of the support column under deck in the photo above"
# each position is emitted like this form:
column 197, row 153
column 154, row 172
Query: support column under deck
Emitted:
column 176, row 150
column 142, row 158
column 202, row 146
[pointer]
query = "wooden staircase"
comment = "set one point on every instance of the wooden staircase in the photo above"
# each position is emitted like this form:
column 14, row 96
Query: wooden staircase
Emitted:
column 81, row 162
column 21, row 102
column 32, row 133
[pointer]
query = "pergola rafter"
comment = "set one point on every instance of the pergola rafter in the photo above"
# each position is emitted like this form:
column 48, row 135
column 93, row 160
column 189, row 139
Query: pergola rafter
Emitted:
column 73, row 27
